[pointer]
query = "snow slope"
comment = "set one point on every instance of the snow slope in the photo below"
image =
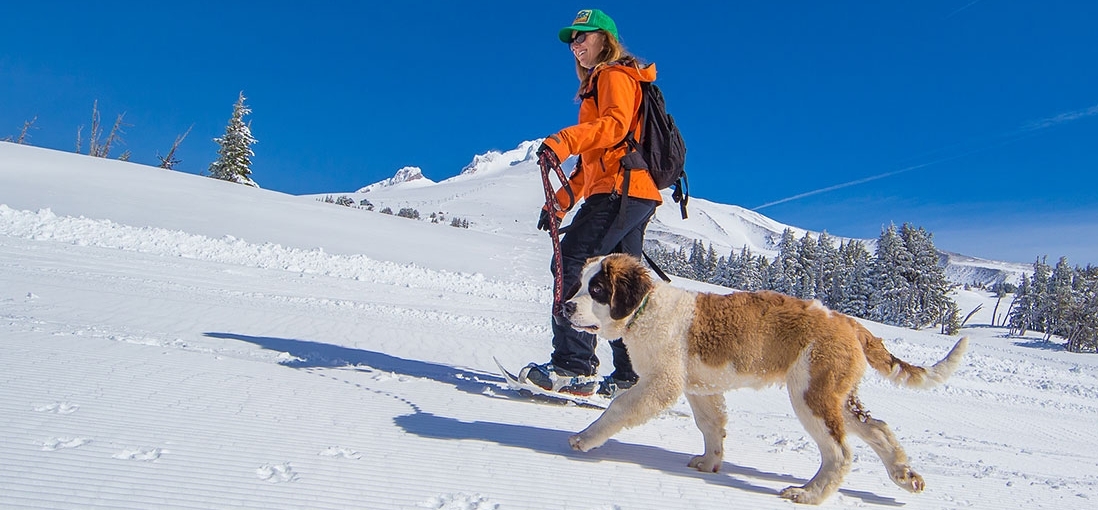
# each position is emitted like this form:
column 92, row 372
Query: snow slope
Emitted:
column 172, row 341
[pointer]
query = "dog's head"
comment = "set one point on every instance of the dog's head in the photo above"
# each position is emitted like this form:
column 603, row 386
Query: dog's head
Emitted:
column 610, row 290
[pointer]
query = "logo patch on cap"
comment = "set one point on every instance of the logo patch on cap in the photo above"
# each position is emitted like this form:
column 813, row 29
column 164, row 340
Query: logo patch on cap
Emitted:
column 582, row 17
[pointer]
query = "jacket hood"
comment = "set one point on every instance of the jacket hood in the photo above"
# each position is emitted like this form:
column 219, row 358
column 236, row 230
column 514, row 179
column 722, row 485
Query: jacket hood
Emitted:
column 646, row 73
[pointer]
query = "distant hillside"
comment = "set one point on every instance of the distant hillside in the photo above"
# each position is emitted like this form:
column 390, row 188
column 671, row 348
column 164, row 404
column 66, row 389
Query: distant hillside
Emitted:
column 502, row 192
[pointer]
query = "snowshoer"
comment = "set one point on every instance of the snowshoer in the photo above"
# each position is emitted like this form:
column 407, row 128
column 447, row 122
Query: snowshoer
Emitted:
column 617, row 204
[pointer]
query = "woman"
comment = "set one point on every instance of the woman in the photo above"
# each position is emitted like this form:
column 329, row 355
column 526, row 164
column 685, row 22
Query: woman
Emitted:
column 615, row 210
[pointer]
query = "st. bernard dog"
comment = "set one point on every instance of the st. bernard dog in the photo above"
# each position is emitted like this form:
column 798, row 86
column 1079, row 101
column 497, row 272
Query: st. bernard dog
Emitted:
column 706, row 344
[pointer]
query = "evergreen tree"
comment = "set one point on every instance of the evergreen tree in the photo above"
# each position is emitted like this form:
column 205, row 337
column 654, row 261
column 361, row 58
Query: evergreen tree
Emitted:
column 748, row 274
column 234, row 154
column 1039, row 284
column 1060, row 296
column 892, row 302
column 1022, row 309
column 712, row 262
column 783, row 272
column 1082, row 319
column 929, row 286
column 703, row 263
column 727, row 267
column 852, row 287
column 827, row 265
column 804, row 274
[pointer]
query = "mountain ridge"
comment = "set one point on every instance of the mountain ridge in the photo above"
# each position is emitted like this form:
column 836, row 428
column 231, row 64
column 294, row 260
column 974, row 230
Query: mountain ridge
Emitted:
column 725, row 226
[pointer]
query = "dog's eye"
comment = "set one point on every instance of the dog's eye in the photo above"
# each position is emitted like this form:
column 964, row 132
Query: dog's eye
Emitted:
column 597, row 291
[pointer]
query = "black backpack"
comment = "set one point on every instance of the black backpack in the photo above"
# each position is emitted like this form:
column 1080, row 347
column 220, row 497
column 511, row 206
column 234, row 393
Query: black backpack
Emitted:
column 661, row 149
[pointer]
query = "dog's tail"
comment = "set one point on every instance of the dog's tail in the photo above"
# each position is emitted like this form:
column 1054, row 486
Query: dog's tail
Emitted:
column 903, row 373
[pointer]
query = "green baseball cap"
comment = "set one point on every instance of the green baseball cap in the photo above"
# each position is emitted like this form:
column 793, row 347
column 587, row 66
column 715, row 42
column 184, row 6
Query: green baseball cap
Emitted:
column 589, row 20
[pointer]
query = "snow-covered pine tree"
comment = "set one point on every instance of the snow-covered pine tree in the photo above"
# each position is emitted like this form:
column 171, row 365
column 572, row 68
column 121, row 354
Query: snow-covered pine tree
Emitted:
column 1039, row 284
column 703, row 263
column 726, row 266
column 827, row 264
column 892, row 301
column 804, row 283
column 783, row 272
column 929, row 286
column 1082, row 334
column 853, row 283
column 1060, row 295
column 1020, row 315
column 234, row 155
column 736, row 269
column 754, row 270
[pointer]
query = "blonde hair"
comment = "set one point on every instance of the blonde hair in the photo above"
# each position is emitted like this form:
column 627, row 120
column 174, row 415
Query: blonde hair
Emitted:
column 613, row 52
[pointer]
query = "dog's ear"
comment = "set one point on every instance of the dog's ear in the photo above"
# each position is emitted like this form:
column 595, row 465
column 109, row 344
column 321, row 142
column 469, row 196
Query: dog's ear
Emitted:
column 629, row 283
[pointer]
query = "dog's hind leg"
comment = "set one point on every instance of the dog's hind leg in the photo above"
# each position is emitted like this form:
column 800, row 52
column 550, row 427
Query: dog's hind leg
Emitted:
column 818, row 404
column 711, row 418
column 879, row 437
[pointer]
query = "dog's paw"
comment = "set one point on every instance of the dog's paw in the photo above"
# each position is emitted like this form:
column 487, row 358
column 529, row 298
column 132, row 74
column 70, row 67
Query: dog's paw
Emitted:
column 584, row 443
column 908, row 479
column 800, row 495
column 706, row 463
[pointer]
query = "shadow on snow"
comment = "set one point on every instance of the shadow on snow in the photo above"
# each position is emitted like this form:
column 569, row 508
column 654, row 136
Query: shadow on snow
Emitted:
column 308, row 354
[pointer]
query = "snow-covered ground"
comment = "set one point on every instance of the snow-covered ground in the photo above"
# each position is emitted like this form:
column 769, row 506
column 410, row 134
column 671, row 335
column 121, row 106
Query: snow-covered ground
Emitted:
column 172, row 341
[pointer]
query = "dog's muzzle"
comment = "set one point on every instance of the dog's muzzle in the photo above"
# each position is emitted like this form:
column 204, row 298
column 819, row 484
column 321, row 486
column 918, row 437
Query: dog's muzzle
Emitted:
column 568, row 309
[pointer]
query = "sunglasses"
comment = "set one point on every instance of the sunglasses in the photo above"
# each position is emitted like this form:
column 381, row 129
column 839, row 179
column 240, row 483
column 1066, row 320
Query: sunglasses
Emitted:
column 581, row 36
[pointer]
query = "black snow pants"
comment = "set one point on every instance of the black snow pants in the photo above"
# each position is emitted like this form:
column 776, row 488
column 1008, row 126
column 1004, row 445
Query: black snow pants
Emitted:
column 602, row 226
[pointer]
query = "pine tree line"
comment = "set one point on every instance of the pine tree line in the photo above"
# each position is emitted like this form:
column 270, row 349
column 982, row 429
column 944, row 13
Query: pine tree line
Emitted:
column 903, row 283
column 1058, row 301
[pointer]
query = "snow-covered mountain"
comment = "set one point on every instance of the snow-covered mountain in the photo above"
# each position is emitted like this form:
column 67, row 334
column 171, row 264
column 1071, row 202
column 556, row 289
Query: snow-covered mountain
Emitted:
column 502, row 190
column 409, row 176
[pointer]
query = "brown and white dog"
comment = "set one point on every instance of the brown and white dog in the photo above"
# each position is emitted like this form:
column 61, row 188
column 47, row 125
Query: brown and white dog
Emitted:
column 706, row 344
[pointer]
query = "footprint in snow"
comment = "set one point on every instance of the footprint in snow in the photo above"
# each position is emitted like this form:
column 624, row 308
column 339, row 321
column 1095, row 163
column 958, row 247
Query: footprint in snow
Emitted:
column 58, row 408
column 459, row 501
column 276, row 473
column 145, row 454
column 59, row 443
column 346, row 453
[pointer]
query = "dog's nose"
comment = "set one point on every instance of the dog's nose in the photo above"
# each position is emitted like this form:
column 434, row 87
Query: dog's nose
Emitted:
column 569, row 309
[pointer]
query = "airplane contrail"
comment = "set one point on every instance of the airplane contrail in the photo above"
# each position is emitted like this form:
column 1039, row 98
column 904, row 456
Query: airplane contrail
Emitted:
column 1060, row 119
column 848, row 184
column 966, row 6
column 1027, row 130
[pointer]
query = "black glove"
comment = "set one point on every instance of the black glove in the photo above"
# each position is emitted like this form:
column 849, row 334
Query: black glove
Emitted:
column 545, row 153
column 543, row 221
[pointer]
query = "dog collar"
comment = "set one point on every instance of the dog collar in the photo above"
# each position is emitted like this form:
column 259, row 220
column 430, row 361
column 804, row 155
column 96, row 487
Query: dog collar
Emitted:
column 637, row 313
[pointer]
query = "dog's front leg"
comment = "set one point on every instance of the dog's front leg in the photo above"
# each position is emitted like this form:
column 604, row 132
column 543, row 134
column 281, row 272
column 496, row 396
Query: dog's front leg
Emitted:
column 639, row 404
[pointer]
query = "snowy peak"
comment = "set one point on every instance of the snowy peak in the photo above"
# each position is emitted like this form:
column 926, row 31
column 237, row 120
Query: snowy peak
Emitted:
column 495, row 161
column 408, row 175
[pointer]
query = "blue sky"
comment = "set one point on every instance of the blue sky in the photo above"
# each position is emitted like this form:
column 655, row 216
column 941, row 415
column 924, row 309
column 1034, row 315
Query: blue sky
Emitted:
column 975, row 119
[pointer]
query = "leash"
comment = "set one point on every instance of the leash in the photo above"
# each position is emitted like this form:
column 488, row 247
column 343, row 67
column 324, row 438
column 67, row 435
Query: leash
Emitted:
column 548, row 162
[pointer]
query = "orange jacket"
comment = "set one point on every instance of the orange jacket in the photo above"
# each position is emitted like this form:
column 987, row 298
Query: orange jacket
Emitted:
column 601, row 128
